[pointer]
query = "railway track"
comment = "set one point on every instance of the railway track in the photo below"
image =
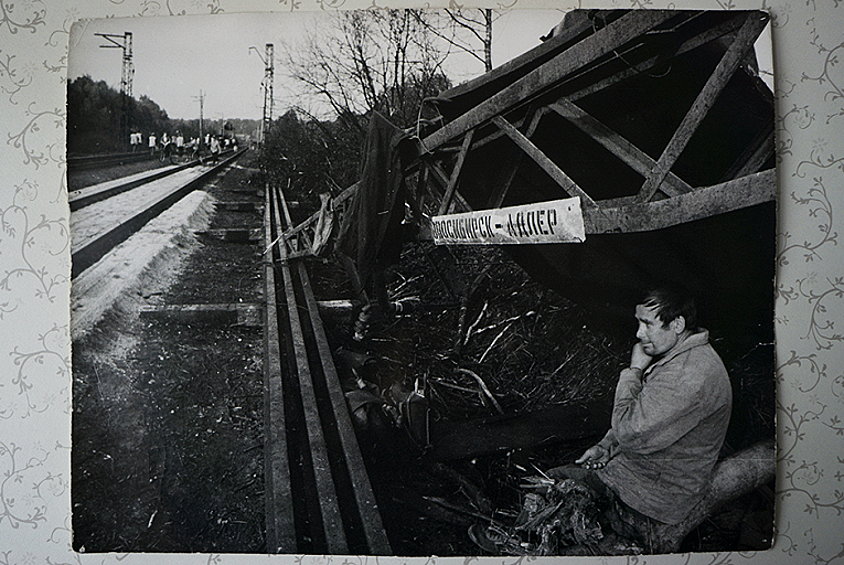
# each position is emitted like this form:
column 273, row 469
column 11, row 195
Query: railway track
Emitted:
column 88, row 162
column 92, row 194
column 94, row 234
column 318, row 497
column 311, row 448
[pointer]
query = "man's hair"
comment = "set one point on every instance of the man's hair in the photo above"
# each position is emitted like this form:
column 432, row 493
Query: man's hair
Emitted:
column 671, row 302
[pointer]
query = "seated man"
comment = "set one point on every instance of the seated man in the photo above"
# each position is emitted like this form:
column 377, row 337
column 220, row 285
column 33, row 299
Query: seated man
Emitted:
column 669, row 417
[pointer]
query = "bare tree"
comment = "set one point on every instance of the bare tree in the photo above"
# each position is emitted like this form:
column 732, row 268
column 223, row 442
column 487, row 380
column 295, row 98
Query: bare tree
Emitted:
column 359, row 61
column 468, row 30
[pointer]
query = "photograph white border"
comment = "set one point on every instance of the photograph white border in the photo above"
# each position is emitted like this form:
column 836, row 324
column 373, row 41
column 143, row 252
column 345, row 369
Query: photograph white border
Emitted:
column 35, row 402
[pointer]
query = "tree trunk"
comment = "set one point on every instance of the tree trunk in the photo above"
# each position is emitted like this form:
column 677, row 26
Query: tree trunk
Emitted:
column 487, row 40
column 734, row 476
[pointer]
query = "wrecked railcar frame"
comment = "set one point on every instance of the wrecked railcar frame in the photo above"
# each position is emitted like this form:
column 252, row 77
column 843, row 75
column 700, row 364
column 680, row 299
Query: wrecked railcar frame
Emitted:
column 658, row 122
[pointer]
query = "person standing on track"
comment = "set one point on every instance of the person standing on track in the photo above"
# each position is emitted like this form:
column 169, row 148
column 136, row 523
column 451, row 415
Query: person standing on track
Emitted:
column 151, row 145
column 215, row 148
column 194, row 148
column 165, row 149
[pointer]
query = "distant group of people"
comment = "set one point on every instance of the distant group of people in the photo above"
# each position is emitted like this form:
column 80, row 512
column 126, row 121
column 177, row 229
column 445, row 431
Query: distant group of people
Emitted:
column 167, row 146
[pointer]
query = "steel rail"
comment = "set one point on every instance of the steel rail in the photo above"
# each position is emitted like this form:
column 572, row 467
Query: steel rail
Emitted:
column 96, row 193
column 86, row 162
column 95, row 248
column 334, row 510
column 92, row 194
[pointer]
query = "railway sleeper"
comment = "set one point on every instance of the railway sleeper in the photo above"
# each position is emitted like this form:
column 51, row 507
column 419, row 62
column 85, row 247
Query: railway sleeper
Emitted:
column 234, row 235
column 241, row 313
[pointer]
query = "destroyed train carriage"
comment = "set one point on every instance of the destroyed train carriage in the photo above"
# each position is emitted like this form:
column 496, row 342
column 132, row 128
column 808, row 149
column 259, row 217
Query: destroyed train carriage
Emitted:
column 657, row 121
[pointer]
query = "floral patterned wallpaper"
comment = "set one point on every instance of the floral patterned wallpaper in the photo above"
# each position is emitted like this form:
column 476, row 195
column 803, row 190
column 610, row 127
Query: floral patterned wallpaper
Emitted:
column 35, row 376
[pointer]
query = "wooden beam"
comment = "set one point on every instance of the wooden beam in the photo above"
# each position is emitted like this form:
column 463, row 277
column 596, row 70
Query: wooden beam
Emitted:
column 495, row 133
column 415, row 208
column 367, row 507
column 440, row 176
column 242, row 235
column 545, row 49
column 753, row 25
column 543, row 161
column 711, row 34
column 757, row 153
column 291, row 236
column 281, row 527
column 720, row 30
column 497, row 434
column 436, row 174
column 601, row 43
column 700, row 203
column 421, row 185
column 634, row 157
column 732, row 477
column 694, row 42
column 329, row 509
column 499, row 192
column 342, row 197
column 455, row 172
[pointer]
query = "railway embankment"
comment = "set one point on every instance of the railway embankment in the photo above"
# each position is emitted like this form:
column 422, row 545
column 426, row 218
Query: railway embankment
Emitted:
column 168, row 407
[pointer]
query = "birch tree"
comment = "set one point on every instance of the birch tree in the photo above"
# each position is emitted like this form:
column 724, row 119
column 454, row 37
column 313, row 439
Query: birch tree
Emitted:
column 356, row 62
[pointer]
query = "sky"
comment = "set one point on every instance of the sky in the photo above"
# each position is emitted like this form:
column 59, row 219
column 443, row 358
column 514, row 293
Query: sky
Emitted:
column 177, row 58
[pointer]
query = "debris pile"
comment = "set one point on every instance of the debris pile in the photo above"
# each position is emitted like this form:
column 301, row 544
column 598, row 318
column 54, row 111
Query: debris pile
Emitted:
column 481, row 339
column 560, row 516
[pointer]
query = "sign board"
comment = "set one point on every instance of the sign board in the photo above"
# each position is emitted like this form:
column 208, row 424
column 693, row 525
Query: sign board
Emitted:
column 556, row 221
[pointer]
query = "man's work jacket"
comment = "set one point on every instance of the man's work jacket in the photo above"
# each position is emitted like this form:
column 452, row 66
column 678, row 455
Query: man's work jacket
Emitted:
column 667, row 430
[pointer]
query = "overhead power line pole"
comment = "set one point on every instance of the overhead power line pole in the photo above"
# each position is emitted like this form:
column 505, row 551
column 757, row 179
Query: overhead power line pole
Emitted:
column 128, row 70
column 201, row 99
column 267, row 85
column 268, row 88
column 126, row 77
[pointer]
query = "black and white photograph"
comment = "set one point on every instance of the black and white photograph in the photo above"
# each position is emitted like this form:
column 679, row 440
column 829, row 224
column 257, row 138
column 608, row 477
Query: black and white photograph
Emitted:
column 400, row 282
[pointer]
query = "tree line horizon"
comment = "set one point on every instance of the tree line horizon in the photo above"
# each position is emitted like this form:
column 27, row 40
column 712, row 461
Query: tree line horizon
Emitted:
column 348, row 66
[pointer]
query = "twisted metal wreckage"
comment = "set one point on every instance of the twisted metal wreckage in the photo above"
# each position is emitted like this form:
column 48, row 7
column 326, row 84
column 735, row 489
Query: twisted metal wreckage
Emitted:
column 655, row 123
